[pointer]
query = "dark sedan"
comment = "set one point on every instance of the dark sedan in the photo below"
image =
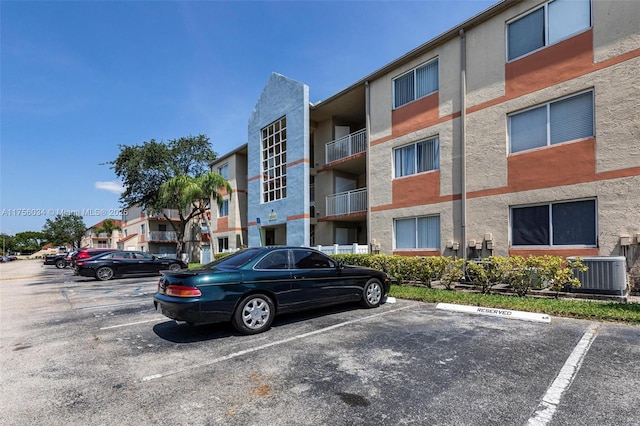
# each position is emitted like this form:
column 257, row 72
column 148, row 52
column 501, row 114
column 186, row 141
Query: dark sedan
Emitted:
column 105, row 266
column 251, row 286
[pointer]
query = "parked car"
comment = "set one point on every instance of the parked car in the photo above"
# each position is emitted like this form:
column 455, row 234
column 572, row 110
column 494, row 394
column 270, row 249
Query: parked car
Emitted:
column 251, row 286
column 86, row 253
column 59, row 260
column 105, row 266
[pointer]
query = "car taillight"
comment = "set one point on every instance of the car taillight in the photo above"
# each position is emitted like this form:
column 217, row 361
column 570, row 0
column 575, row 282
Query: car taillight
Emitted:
column 182, row 291
column 83, row 256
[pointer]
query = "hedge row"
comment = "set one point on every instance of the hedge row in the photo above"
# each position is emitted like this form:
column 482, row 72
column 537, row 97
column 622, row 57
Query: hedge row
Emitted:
column 522, row 274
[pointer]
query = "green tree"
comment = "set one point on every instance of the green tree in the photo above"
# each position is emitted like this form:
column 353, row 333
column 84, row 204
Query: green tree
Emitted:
column 64, row 229
column 29, row 241
column 195, row 196
column 8, row 243
column 143, row 169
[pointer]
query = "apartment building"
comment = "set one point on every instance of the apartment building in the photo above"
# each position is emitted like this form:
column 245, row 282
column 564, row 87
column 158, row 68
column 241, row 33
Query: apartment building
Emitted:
column 516, row 132
column 101, row 235
column 152, row 233
column 228, row 220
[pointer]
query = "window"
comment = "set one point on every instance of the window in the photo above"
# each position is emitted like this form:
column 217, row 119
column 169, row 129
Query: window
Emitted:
column 559, row 121
column 223, row 244
column 162, row 228
column 548, row 24
column 307, row 259
column 224, row 171
column 223, row 209
column 417, row 233
column 555, row 224
column 274, row 161
column 415, row 84
column 417, row 158
column 275, row 260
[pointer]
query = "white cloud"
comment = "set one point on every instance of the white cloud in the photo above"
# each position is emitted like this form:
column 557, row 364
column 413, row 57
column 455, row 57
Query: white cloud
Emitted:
column 113, row 186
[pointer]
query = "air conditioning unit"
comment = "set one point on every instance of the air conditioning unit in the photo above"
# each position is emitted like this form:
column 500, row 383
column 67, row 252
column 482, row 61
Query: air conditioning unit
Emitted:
column 606, row 275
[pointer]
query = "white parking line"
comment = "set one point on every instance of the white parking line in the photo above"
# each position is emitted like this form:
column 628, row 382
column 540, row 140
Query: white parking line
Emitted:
column 547, row 407
column 111, row 305
column 132, row 323
column 268, row 345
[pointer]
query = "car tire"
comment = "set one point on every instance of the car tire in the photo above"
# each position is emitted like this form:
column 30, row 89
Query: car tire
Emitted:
column 60, row 264
column 175, row 267
column 104, row 273
column 372, row 293
column 254, row 314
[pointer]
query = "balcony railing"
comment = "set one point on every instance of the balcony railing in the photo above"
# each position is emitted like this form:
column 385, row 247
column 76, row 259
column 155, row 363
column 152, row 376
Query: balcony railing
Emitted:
column 347, row 202
column 162, row 236
column 346, row 146
column 354, row 248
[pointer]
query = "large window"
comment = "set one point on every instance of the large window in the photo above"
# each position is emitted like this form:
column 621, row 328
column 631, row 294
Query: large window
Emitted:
column 224, row 171
column 417, row 233
column 415, row 84
column 223, row 209
column 559, row 121
column 548, row 24
column 417, row 158
column 555, row 224
column 274, row 161
column 223, row 244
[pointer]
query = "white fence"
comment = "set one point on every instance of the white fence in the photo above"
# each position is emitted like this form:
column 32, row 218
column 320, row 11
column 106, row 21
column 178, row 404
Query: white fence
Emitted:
column 344, row 249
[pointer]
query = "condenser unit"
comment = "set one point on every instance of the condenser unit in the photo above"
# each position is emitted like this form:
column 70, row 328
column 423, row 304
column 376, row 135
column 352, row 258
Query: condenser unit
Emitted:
column 606, row 275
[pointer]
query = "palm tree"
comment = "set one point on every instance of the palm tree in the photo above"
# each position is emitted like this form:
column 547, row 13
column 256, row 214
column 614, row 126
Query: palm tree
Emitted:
column 193, row 196
column 107, row 227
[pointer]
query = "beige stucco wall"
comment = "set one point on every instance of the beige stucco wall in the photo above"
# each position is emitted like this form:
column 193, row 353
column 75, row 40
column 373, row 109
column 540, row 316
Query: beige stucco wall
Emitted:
column 616, row 28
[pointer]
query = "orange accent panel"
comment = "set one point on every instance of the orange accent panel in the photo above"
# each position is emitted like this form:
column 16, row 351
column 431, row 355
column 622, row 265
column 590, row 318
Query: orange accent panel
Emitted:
column 416, row 190
column 223, row 224
column 298, row 216
column 205, row 237
column 340, row 161
column 564, row 252
column 551, row 65
column 557, row 165
column 417, row 252
column 441, row 199
column 295, row 163
column 251, row 179
column 252, row 223
column 342, row 216
column 415, row 115
column 394, row 135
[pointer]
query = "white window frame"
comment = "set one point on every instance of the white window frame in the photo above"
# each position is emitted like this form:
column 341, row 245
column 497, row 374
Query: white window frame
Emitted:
column 221, row 209
column 415, row 218
column 547, row 105
column 550, row 224
column 547, row 43
column 273, row 161
column 415, row 86
column 435, row 139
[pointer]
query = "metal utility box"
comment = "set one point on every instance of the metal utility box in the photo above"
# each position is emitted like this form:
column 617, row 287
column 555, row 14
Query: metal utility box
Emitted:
column 606, row 275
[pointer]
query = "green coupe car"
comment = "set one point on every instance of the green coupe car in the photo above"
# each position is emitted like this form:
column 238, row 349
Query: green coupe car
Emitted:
column 253, row 285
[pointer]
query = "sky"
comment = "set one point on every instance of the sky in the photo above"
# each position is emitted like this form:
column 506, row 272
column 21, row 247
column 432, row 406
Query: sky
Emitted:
column 80, row 79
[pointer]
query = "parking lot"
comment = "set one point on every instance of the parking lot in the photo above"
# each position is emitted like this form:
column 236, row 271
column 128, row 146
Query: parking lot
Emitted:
column 79, row 351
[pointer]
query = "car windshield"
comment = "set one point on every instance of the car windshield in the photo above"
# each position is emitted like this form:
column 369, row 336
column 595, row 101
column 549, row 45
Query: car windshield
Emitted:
column 235, row 260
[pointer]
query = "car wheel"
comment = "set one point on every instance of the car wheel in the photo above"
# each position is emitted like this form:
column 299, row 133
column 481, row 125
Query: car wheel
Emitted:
column 60, row 264
column 104, row 273
column 175, row 267
column 372, row 295
column 254, row 314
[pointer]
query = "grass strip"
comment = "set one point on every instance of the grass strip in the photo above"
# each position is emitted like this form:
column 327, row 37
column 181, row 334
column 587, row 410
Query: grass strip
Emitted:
column 582, row 309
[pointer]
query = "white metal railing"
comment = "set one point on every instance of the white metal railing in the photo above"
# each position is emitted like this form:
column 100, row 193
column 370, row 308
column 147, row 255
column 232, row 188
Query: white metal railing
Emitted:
column 354, row 248
column 162, row 236
column 346, row 146
column 347, row 202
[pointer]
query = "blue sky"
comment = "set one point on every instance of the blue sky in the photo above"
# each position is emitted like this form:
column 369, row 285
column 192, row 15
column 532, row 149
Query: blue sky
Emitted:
column 80, row 78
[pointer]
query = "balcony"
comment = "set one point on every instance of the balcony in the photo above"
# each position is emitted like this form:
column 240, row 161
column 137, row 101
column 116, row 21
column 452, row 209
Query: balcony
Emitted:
column 346, row 146
column 168, row 236
column 346, row 203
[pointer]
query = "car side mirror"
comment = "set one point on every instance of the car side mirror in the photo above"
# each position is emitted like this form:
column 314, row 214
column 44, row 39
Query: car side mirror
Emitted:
column 340, row 266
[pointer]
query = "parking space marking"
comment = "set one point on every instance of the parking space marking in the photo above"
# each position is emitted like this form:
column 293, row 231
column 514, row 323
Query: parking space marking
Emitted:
column 268, row 345
column 111, row 305
column 132, row 323
column 547, row 407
